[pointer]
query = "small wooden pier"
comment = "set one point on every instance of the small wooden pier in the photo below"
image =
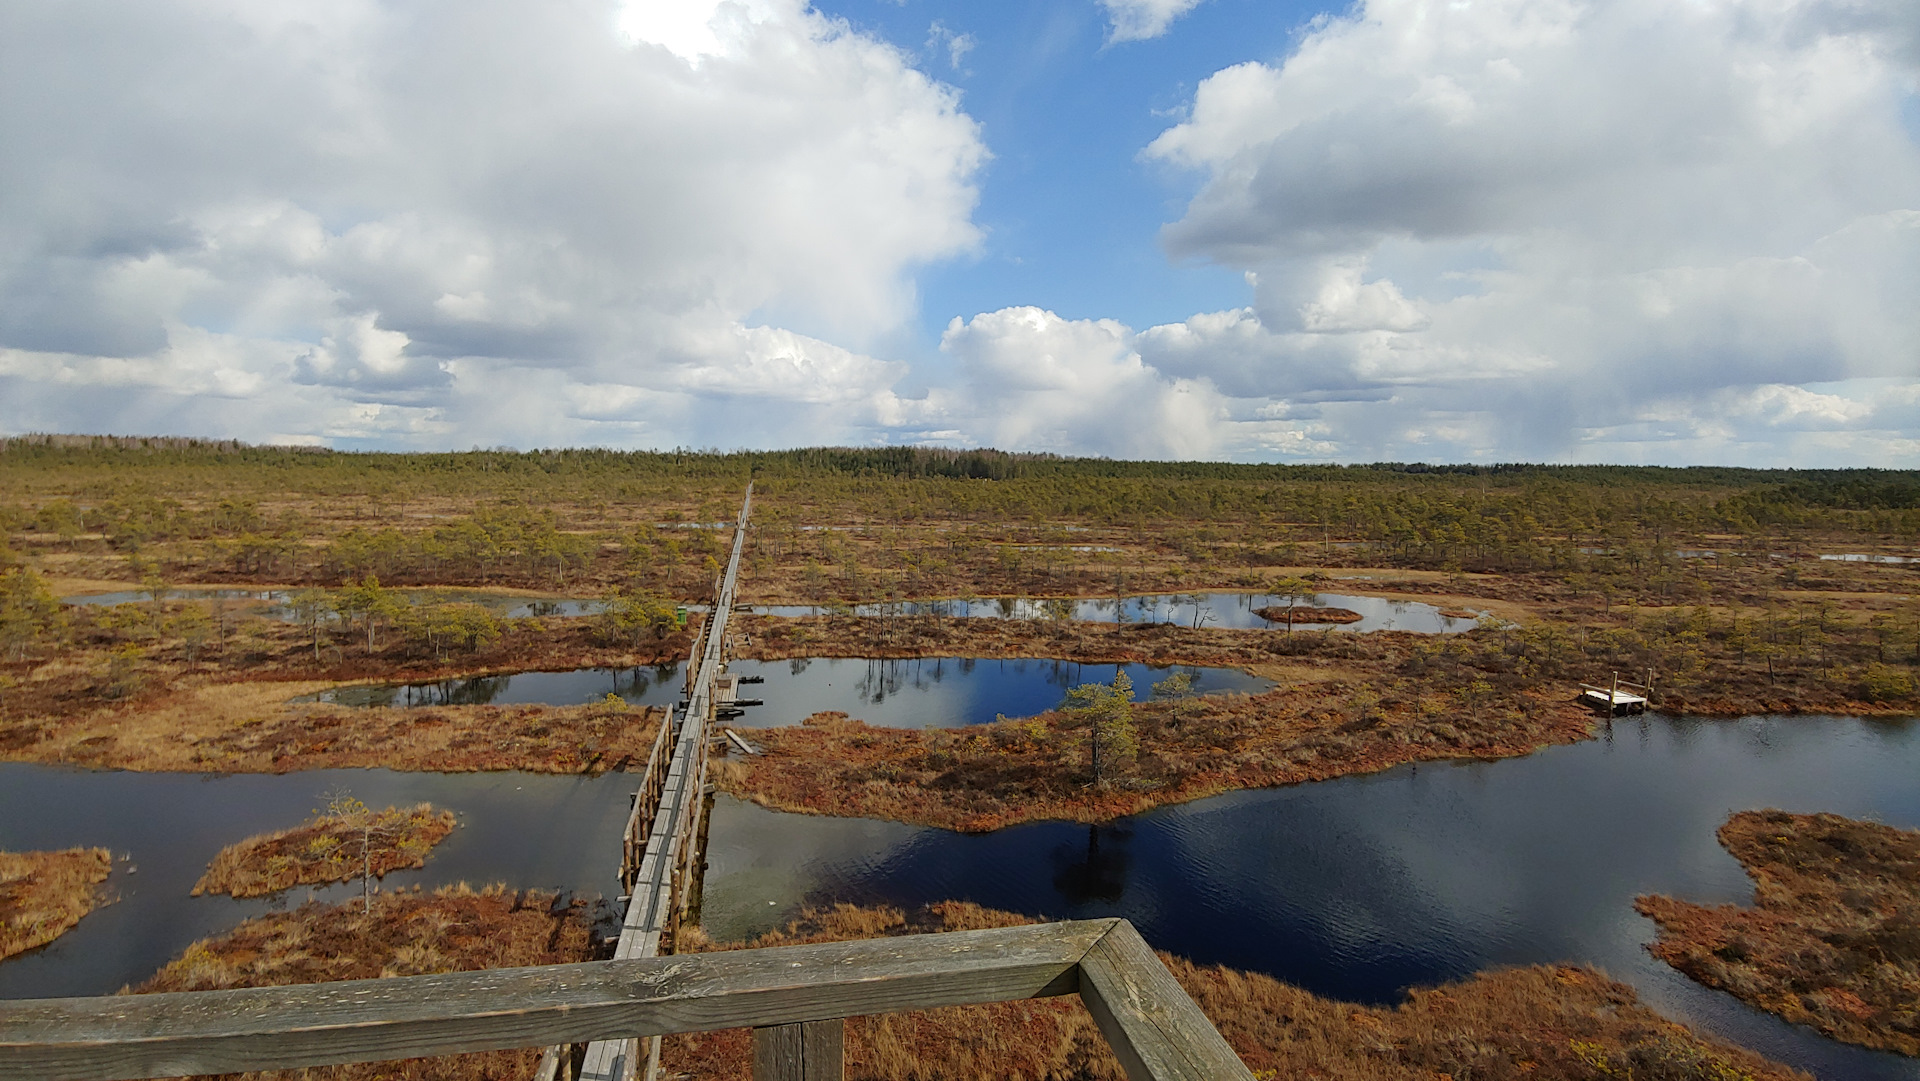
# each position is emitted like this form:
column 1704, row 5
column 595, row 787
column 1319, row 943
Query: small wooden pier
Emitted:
column 1620, row 697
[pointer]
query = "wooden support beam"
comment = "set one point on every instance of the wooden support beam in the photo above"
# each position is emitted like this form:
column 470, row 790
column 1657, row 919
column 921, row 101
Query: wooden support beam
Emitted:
column 1154, row 1028
column 550, row 1063
column 210, row 1032
column 808, row 1051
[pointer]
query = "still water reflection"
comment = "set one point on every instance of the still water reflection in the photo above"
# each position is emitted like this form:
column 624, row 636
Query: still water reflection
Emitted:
column 1355, row 888
column 1230, row 610
column 1361, row 887
column 927, row 692
column 519, row 829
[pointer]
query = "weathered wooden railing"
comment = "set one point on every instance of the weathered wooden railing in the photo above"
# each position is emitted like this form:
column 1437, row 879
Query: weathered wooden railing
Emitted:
column 794, row 997
column 658, row 871
column 646, row 802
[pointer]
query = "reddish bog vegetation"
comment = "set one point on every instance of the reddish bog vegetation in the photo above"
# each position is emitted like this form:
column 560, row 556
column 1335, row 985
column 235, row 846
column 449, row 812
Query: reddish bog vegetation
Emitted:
column 1528, row 1024
column 1356, row 703
column 347, row 841
column 1833, row 939
column 1307, row 614
column 1531, row 1024
column 154, row 704
column 253, row 728
column 43, row 894
column 452, row 930
column 987, row 776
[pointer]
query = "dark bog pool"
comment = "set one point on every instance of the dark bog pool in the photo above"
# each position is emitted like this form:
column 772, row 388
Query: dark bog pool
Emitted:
column 1232, row 610
column 518, row 829
column 1361, row 887
column 930, row 692
column 1356, row 888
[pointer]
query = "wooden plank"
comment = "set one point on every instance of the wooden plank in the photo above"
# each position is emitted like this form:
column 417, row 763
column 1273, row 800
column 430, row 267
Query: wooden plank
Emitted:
column 808, row 1051
column 740, row 743
column 1153, row 1026
column 653, row 906
column 549, row 1066
column 210, row 1032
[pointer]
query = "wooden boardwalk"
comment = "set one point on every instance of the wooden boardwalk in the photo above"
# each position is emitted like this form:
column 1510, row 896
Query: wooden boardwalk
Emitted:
column 663, row 850
column 795, row 998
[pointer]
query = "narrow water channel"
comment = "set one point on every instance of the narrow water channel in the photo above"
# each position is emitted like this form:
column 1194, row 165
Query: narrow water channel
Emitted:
column 923, row 692
column 1230, row 610
column 1233, row 610
column 1355, row 888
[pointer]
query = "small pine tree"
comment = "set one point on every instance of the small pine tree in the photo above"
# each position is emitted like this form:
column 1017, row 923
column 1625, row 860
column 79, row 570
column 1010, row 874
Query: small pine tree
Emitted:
column 1109, row 711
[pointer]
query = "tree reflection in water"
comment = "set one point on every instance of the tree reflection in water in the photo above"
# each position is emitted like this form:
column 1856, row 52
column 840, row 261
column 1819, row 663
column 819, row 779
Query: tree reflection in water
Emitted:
column 1099, row 873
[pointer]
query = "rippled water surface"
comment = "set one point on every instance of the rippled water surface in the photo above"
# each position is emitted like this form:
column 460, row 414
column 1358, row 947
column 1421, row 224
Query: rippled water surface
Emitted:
column 519, row 829
column 1359, row 888
column 1355, row 888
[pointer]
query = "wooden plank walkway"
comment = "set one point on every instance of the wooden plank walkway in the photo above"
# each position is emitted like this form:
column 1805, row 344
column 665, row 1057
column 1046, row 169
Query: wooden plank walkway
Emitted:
column 794, row 997
column 659, row 872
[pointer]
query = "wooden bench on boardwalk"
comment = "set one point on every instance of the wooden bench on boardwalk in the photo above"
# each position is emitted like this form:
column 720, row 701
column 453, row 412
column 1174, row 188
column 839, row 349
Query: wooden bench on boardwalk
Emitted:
column 794, row 997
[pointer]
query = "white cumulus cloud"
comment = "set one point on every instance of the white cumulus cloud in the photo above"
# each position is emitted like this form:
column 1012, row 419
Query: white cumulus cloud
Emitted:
column 379, row 214
column 1529, row 228
column 1036, row 381
column 1138, row 20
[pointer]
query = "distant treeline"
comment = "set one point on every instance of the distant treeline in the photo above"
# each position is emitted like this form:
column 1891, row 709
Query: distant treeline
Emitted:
column 1858, row 488
column 138, row 485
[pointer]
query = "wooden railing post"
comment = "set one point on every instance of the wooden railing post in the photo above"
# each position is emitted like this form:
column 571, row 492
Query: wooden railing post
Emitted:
column 1156, row 1031
column 808, row 1051
column 793, row 997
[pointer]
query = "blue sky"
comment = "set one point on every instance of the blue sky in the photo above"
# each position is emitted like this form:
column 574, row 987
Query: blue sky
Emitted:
column 1569, row 230
column 1072, row 216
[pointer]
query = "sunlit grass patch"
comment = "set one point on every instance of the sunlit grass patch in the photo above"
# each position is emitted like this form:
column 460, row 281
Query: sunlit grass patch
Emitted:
column 44, row 894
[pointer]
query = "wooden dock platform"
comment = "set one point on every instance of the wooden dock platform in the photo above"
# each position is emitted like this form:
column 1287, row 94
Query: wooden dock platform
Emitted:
column 1614, row 702
column 1619, row 697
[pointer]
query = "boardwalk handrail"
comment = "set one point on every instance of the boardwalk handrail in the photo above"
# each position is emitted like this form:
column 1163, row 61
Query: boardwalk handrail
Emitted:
column 1155, row 1029
column 668, row 809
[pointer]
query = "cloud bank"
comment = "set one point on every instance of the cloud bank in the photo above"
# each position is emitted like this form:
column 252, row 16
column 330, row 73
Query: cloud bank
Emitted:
column 561, row 223
column 1557, row 228
column 1624, row 230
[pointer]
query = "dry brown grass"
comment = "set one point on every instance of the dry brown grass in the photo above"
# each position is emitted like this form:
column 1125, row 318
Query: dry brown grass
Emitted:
column 1304, row 613
column 1525, row 1024
column 1833, row 940
column 452, row 930
column 43, row 894
column 331, row 847
column 988, row 776
column 254, row 728
column 229, row 711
